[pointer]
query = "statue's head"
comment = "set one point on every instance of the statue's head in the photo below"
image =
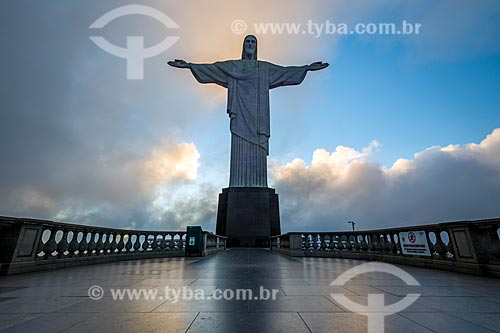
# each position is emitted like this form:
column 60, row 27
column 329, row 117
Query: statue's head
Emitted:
column 249, row 48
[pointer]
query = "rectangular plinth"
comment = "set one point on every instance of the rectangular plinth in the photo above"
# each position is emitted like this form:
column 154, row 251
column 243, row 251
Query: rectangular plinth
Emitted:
column 248, row 215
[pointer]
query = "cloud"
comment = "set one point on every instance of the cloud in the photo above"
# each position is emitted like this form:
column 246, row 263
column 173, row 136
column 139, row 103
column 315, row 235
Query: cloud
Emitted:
column 438, row 184
column 113, row 189
column 177, row 161
column 177, row 208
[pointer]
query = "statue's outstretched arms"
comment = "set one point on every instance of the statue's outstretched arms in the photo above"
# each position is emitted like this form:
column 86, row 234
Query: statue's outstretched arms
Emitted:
column 204, row 73
column 179, row 63
column 291, row 75
column 286, row 75
column 318, row 65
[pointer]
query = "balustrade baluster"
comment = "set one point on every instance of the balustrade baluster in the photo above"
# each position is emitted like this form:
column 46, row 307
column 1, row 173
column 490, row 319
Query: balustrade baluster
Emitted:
column 121, row 244
column 177, row 242
column 106, row 249
column 83, row 244
column 394, row 247
column 99, row 245
column 163, row 243
column 440, row 247
column 183, row 241
column 370, row 243
column 376, row 243
column 137, row 242
column 128, row 245
column 357, row 245
column 73, row 245
column 348, row 242
column 171, row 243
column 364, row 243
column 322, row 242
column 50, row 246
column 385, row 244
column 92, row 244
column 331, row 245
column 155, row 245
column 431, row 244
column 398, row 245
column 63, row 244
column 114, row 243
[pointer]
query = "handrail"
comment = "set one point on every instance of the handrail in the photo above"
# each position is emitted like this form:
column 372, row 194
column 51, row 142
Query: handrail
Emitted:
column 30, row 244
column 463, row 246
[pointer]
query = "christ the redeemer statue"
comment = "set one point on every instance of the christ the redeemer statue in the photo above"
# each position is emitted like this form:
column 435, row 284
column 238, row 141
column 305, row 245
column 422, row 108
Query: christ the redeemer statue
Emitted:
column 248, row 82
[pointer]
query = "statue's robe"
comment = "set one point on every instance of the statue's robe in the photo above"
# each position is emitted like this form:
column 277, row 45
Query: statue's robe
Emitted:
column 248, row 83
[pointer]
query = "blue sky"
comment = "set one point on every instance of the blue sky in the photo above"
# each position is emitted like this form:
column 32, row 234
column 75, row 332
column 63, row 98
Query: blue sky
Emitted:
column 83, row 144
column 407, row 105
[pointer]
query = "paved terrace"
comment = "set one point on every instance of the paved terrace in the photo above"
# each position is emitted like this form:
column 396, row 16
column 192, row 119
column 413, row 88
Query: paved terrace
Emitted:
column 58, row 301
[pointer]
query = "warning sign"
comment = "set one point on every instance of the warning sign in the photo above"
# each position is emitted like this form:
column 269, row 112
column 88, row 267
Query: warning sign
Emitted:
column 414, row 243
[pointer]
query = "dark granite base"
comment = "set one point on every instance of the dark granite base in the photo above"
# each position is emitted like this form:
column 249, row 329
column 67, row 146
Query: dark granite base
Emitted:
column 248, row 216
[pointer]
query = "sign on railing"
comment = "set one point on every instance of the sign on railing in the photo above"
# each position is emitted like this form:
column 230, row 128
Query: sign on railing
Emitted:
column 414, row 243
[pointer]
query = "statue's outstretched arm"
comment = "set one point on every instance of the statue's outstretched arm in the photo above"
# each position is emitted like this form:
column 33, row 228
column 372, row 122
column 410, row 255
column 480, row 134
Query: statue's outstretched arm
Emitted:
column 204, row 73
column 179, row 63
column 291, row 75
column 318, row 65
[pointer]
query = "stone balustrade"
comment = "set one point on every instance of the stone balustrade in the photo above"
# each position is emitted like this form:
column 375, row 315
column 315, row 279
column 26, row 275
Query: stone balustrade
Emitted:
column 31, row 245
column 469, row 246
column 213, row 243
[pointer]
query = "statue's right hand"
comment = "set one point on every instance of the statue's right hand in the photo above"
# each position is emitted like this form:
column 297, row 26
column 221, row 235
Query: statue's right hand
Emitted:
column 179, row 63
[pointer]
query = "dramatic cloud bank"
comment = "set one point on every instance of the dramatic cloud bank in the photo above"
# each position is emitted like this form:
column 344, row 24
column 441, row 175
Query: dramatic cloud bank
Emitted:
column 161, row 189
column 117, row 190
column 439, row 184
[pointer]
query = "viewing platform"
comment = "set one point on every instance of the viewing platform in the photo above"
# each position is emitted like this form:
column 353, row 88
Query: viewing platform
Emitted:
column 57, row 300
column 289, row 293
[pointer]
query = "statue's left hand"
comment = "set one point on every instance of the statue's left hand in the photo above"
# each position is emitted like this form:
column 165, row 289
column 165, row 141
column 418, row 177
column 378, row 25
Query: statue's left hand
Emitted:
column 179, row 63
column 318, row 65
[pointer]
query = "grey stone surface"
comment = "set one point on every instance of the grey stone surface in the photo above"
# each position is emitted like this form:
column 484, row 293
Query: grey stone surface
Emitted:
column 442, row 322
column 136, row 322
column 355, row 323
column 9, row 320
column 248, row 216
column 55, row 301
column 249, row 322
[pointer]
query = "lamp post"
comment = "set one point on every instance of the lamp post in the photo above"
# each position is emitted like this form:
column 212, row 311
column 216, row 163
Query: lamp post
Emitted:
column 353, row 223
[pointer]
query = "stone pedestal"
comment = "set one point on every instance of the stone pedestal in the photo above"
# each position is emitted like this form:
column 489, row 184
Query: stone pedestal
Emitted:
column 248, row 216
